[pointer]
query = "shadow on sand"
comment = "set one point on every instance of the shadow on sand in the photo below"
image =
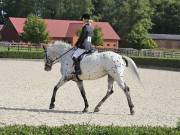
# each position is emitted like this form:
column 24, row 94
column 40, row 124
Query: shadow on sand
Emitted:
column 53, row 111
column 39, row 110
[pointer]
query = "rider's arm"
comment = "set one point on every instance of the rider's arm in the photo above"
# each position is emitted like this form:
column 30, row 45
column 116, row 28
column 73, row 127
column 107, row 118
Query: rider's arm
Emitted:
column 82, row 37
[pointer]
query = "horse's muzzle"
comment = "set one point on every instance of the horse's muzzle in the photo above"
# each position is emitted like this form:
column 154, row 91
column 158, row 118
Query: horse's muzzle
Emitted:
column 47, row 68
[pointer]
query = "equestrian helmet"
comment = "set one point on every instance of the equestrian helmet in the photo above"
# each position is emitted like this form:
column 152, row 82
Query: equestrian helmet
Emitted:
column 85, row 16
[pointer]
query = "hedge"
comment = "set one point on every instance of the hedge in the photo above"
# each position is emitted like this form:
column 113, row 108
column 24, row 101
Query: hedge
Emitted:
column 142, row 61
column 23, row 55
column 157, row 62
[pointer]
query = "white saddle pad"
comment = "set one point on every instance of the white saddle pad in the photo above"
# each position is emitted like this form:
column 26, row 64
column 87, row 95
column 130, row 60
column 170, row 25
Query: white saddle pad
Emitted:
column 78, row 52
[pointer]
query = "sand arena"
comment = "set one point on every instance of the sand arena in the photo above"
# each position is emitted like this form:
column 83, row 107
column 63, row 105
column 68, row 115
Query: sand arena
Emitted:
column 26, row 89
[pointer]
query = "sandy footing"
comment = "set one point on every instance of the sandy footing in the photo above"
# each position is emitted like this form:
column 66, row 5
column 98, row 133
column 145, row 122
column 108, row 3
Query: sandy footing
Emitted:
column 26, row 90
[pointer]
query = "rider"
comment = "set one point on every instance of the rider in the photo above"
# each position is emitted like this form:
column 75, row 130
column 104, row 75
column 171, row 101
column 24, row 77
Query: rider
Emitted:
column 83, row 45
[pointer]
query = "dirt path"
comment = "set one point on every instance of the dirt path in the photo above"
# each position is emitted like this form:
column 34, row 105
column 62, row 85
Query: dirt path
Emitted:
column 26, row 89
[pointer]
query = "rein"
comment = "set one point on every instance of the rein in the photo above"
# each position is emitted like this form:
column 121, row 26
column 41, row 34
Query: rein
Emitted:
column 59, row 56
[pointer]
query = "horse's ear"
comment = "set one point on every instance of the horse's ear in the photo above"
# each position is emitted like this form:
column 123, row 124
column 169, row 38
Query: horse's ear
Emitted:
column 44, row 46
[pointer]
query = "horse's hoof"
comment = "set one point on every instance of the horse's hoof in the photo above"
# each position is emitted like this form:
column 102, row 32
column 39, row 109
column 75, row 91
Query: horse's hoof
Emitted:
column 51, row 106
column 85, row 110
column 132, row 112
column 96, row 110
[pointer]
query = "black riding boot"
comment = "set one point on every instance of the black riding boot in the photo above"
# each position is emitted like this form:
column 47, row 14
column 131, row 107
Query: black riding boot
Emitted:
column 77, row 66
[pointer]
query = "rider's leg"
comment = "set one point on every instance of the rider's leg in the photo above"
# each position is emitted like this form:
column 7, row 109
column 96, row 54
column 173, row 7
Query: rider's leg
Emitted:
column 76, row 59
column 77, row 66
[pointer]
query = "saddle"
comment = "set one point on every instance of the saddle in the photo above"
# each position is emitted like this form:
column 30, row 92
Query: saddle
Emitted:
column 78, row 60
column 86, row 54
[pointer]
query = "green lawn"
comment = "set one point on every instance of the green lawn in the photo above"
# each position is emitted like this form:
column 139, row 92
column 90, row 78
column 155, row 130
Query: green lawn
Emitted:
column 87, row 130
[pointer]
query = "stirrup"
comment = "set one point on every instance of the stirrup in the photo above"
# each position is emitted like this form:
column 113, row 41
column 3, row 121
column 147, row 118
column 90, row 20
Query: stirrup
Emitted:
column 77, row 72
column 76, row 75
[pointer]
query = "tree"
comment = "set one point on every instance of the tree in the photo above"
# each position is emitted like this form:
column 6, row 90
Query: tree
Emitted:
column 75, row 8
column 97, row 38
column 134, row 22
column 35, row 30
column 166, row 19
column 138, row 37
column 105, row 10
column 19, row 8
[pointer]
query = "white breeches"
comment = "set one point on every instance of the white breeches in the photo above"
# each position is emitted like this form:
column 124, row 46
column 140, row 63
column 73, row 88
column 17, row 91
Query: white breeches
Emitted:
column 78, row 52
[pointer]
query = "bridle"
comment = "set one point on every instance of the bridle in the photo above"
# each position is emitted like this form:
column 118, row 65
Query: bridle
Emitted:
column 50, row 61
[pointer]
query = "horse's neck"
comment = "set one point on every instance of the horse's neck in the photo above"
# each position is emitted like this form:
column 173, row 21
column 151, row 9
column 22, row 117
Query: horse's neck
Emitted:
column 64, row 53
column 67, row 62
column 57, row 51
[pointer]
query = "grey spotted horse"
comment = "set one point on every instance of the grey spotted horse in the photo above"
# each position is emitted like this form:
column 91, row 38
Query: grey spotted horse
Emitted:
column 93, row 66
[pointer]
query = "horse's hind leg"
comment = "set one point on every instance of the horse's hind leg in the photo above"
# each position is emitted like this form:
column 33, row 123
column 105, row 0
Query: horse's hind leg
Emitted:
column 126, row 90
column 109, row 92
column 127, row 93
column 59, row 84
column 81, row 88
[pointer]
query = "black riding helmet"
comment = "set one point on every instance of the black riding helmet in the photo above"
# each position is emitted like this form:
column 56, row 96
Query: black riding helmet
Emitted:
column 85, row 16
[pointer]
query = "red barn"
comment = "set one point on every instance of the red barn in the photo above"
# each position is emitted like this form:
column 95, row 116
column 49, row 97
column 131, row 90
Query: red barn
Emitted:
column 59, row 30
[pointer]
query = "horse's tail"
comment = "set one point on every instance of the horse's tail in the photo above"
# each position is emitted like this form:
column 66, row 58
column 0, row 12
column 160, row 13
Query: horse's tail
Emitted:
column 131, row 64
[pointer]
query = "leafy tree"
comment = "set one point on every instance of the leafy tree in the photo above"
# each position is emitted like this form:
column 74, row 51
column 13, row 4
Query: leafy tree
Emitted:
column 104, row 10
column 74, row 9
column 35, row 30
column 19, row 8
column 167, row 17
column 138, row 37
column 134, row 22
column 130, row 13
column 50, row 8
column 97, row 38
column 127, row 18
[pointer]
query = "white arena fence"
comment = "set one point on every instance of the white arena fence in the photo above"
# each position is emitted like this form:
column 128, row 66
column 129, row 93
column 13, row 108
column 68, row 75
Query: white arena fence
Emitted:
column 159, row 53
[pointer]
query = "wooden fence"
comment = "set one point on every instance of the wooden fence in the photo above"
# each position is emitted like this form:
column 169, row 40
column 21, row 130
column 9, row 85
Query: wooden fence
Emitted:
column 123, row 51
column 145, row 52
column 20, row 46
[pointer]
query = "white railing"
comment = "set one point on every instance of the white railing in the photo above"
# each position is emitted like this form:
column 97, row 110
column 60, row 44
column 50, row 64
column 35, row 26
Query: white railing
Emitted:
column 124, row 51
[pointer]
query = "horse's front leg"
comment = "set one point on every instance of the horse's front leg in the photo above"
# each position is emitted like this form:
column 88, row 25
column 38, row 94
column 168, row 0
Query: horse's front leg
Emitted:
column 59, row 84
column 81, row 88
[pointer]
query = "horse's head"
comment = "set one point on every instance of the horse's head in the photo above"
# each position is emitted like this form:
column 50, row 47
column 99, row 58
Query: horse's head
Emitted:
column 47, row 59
column 53, row 52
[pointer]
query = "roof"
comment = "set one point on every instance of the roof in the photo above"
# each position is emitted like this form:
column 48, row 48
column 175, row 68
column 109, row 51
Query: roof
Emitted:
column 18, row 24
column 73, row 28
column 164, row 36
column 107, row 30
column 66, row 28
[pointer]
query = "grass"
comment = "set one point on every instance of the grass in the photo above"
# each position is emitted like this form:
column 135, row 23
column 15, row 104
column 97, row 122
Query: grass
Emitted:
column 178, row 124
column 87, row 130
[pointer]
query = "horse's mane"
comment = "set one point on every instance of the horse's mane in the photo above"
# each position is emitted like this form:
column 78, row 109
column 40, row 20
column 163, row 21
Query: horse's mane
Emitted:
column 60, row 44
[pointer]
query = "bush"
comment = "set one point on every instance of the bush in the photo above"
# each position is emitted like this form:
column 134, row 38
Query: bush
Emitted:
column 157, row 62
column 138, row 37
column 35, row 30
column 24, row 55
column 97, row 38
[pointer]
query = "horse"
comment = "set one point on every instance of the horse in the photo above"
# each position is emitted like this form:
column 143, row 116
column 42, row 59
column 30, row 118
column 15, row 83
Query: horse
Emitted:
column 93, row 66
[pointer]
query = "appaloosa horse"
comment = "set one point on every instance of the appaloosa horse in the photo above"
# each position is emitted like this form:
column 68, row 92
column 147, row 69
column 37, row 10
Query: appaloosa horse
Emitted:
column 93, row 66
